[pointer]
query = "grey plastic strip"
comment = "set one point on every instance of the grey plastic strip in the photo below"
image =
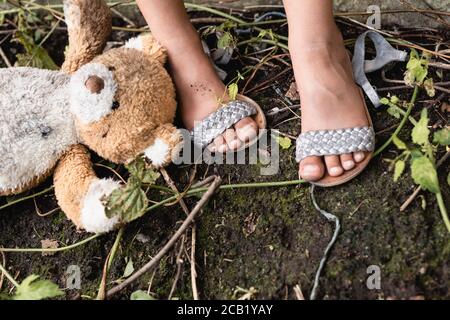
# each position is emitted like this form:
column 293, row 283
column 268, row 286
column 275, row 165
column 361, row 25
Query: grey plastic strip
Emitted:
column 335, row 142
column 216, row 123
column 385, row 54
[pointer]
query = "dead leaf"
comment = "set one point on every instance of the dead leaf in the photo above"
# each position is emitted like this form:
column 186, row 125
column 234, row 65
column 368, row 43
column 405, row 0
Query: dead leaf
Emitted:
column 417, row 298
column 250, row 224
column 292, row 93
column 445, row 107
column 49, row 244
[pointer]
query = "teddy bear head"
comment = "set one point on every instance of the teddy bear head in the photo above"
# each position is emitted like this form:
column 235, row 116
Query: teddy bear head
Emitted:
column 120, row 97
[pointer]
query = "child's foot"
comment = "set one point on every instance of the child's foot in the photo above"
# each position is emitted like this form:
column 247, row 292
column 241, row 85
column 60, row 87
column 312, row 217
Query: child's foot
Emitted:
column 201, row 92
column 330, row 98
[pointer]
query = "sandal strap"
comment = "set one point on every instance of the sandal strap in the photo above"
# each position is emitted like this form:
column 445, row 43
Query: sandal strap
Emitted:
column 335, row 142
column 385, row 54
column 216, row 123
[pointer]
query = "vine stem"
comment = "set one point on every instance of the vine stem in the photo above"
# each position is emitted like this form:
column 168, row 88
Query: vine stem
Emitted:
column 443, row 209
column 10, row 277
column 402, row 123
column 51, row 249
column 26, row 198
column 101, row 295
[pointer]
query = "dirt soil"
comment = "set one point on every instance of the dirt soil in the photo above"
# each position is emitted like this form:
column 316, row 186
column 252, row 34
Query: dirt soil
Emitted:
column 269, row 239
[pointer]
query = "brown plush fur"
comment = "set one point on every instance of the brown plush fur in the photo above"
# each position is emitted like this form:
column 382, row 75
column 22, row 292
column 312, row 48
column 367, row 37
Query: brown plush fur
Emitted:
column 146, row 100
column 91, row 27
column 72, row 178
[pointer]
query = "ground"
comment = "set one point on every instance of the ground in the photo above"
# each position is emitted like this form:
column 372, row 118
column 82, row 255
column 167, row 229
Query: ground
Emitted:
column 269, row 239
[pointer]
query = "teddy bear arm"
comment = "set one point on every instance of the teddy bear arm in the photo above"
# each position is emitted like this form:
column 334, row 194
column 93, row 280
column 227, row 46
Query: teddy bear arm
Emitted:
column 89, row 26
column 81, row 194
column 167, row 143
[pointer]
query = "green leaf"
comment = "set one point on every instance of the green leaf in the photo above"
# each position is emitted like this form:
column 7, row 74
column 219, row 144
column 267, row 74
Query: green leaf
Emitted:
column 129, row 202
column 399, row 169
column 284, row 142
column 226, row 40
column 34, row 56
column 399, row 143
column 141, row 295
column 421, row 133
column 233, row 91
column 417, row 69
column 384, row 101
column 394, row 111
column 138, row 170
column 266, row 32
column 33, row 289
column 442, row 137
column 395, row 99
column 424, row 174
column 150, row 176
column 129, row 268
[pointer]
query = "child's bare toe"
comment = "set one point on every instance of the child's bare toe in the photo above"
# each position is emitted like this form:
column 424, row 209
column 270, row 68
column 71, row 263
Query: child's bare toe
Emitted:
column 347, row 161
column 359, row 156
column 220, row 144
column 312, row 168
column 246, row 129
column 334, row 166
column 232, row 139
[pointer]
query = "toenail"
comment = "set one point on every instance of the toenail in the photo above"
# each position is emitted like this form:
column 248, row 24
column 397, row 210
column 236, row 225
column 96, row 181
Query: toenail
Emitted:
column 348, row 165
column 359, row 157
column 336, row 171
column 310, row 170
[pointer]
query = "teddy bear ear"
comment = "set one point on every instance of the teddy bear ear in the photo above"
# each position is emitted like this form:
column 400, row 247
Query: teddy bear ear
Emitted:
column 148, row 45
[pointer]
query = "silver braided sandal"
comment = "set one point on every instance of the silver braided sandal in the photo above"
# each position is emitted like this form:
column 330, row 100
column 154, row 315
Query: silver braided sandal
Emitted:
column 231, row 113
column 350, row 140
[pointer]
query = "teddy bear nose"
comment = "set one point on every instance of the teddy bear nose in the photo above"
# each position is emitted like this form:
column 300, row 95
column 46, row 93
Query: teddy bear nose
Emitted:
column 95, row 84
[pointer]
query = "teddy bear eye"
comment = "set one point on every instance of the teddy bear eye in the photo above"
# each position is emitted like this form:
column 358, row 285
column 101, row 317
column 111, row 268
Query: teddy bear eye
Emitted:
column 116, row 105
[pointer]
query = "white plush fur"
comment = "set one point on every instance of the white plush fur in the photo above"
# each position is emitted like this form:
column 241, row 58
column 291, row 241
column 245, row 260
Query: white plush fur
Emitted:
column 93, row 216
column 135, row 43
column 91, row 107
column 157, row 153
column 37, row 122
column 34, row 130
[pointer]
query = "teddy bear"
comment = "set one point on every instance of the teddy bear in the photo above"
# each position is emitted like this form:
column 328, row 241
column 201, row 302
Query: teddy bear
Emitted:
column 120, row 104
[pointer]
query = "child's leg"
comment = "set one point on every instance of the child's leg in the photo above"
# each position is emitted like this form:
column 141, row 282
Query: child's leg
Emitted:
column 330, row 98
column 198, row 86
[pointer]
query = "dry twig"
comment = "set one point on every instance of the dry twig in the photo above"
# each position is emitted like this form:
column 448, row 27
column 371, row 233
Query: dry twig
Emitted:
column 164, row 250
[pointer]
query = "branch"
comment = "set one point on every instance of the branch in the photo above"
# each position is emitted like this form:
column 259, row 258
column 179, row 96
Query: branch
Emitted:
column 152, row 263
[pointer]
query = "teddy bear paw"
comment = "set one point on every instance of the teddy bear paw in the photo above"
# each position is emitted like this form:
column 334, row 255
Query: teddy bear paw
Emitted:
column 165, row 149
column 93, row 213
